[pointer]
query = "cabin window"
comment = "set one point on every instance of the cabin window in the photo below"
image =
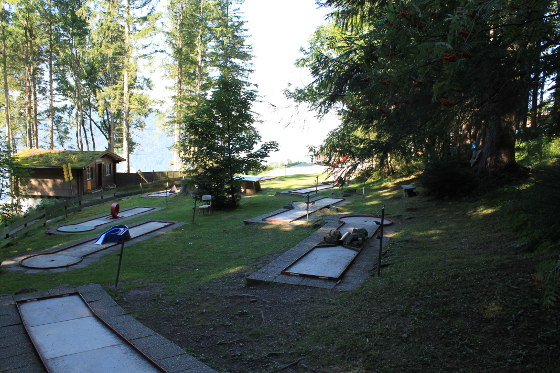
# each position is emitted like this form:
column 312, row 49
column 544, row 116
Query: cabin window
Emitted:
column 88, row 173
column 107, row 169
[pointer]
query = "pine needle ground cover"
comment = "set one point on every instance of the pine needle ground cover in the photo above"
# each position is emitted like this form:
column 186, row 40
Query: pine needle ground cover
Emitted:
column 456, row 291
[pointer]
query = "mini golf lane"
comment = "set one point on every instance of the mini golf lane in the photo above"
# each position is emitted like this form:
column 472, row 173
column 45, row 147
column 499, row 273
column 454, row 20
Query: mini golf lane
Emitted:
column 311, row 189
column 89, row 225
column 300, row 209
column 74, row 254
column 160, row 194
column 367, row 222
column 69, row 337
column 331, row 262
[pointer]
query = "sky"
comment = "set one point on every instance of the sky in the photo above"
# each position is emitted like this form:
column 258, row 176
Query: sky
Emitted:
column 276, row 30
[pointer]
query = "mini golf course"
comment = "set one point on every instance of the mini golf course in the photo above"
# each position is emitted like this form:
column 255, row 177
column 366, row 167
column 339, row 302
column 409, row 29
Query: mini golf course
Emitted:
column 84, row 330
column 68, row 337
column 93, row 223
column 163, row 193
column 312, row 262
column 308, row 190
column 301, row 209
column 331, row 261
column 74, row 253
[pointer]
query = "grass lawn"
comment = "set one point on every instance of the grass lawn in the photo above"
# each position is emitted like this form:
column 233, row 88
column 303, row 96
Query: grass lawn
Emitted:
column 214, row 246
column 456, row 294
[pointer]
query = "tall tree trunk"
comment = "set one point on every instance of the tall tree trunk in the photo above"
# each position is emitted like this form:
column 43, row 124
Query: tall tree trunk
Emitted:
column 126, row 93
column 6, row 90
column 80, row 115
column 179, row 100
column 84, row 131
column 555, row 115
column 91, row 124
column 535, row 100
column 51, row 83
column 199, row 50
column 176, row 120
column 28, row 109
column 498, row 147
column 110, row 121
column 78, row 96
column 126, row 120
column 79, row 142
column 35, row 106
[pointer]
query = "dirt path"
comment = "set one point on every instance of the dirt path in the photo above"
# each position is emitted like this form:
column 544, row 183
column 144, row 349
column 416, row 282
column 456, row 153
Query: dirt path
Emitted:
column 232, row 326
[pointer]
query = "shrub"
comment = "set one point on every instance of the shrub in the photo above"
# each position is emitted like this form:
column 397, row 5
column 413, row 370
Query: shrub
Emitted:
column 448, row 178
column 216, row 182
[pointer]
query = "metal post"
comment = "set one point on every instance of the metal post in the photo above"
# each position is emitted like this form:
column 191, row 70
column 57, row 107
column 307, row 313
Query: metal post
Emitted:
column 120, row 261
column 380, row 237
column 166, row 193
column 307, row 207
column 316, row 184
column 194, row 209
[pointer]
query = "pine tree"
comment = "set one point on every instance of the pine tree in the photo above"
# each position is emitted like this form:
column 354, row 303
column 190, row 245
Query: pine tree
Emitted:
column 219, row 138
column 5, row 18
column 190, row 39
column 28, row 29
column 417, row 79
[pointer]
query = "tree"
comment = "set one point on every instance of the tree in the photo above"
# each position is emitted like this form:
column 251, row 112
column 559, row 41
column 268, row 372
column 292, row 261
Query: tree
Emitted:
column 5, row 16
column 8, row 184
column 107, row 40
column 135, row 104
column 28, row 29
column 72, row 28
column 219, row 139
column 417, row 79
column 121, row 31
column 190, row 39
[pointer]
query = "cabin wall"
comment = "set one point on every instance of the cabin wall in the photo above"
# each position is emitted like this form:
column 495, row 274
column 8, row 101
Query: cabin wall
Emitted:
column 101, row 175
column 49, row 182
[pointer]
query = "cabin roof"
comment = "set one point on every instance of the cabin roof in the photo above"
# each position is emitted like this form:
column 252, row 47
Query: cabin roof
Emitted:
column 40, row 158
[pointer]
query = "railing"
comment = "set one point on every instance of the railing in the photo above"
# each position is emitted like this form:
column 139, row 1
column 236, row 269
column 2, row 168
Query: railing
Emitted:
column 39, row 216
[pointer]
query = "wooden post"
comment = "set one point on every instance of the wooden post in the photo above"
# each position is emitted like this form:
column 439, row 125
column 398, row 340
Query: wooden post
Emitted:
column 380, row 237
column 194, row 209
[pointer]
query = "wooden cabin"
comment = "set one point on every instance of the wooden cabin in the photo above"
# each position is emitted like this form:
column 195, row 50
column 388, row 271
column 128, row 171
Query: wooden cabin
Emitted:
column 91, row 171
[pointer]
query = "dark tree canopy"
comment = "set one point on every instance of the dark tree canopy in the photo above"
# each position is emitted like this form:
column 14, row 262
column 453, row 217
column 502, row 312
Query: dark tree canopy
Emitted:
column 424, row 79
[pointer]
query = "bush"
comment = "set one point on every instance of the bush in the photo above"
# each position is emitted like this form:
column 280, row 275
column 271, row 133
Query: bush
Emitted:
column 216, row 182
column 448, row 178
column 533, row 151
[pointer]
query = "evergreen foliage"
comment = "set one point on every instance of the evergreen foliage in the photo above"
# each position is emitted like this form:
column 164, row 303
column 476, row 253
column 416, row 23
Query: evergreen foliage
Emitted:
column 191, row 36
column 8, row 190
column 413, row 80
column 69, row 67
column 218, row 137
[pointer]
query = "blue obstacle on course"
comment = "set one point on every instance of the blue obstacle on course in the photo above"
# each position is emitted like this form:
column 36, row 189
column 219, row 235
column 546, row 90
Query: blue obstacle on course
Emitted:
column 117, row 233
